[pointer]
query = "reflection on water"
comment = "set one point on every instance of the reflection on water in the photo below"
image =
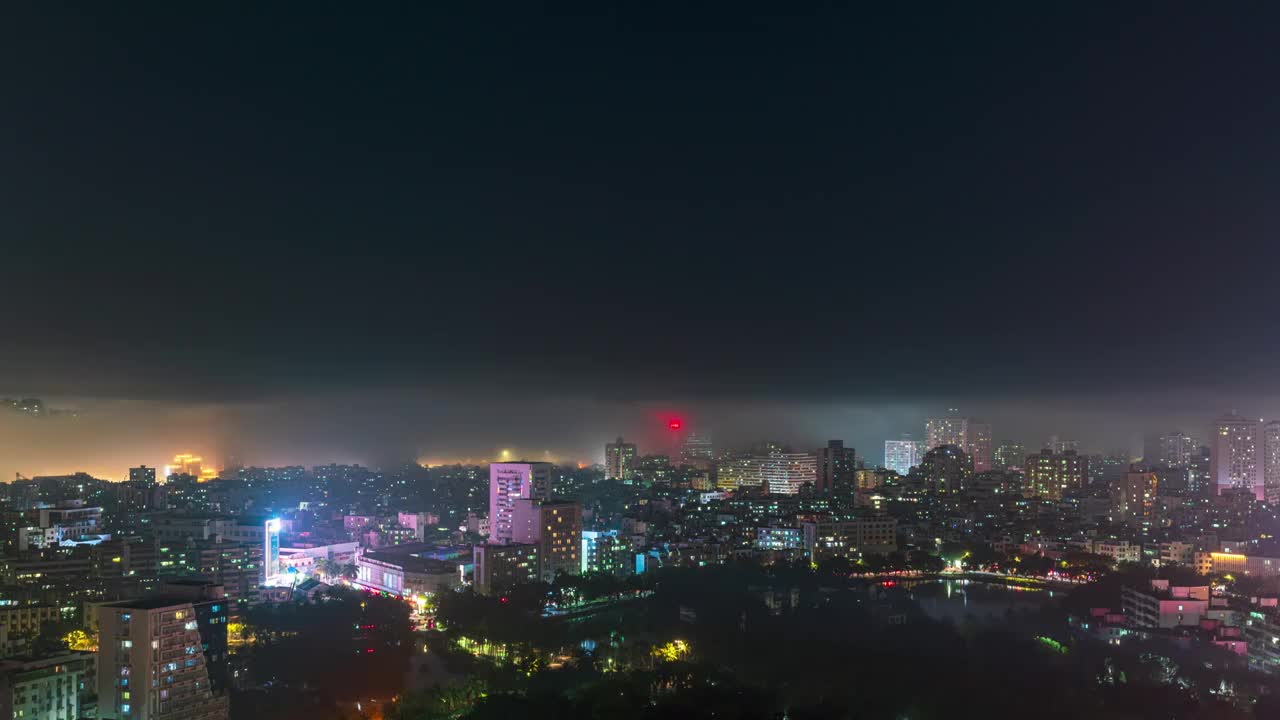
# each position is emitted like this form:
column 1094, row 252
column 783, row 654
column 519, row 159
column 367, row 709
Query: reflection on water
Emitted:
column 958, row 599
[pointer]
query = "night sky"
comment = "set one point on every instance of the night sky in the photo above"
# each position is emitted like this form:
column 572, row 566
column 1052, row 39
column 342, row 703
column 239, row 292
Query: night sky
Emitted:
column 329, row 231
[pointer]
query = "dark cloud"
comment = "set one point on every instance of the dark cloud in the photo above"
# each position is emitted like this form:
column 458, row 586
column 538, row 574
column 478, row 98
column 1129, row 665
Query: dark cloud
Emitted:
column 738, row 207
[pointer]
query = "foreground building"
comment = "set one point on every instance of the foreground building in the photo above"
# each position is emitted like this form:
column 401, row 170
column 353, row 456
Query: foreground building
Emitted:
column 400, row 570
column 1164, row 606
column 497, row 567
column 555, row 527
column 44, row 688
column 1261, row 628
column 20, row 623
column 604, row 551
column 164, row 656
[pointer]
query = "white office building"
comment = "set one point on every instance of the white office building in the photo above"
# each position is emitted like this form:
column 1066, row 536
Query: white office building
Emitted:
column 902, row 455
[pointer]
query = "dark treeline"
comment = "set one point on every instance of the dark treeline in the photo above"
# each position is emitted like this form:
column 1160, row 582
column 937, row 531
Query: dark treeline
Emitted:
column 835, row 650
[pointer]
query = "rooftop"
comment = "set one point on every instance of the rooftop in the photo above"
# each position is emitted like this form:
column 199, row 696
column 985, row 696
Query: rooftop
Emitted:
column 412, row 563
column 31, row 662
column 154, row 602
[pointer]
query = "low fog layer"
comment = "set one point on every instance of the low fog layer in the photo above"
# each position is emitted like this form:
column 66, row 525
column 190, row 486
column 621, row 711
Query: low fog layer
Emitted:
column 383, row 428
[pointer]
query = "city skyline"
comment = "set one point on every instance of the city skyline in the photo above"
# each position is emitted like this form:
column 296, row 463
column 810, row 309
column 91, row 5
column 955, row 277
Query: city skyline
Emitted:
column 655, row 437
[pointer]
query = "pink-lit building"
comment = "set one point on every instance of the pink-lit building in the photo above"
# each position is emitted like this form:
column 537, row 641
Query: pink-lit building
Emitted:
column 978, row 445
column 511, row 481
column 1165, row 606
column 555, row 528
column 355, row 522
column 418, row 522
column 1227, row 637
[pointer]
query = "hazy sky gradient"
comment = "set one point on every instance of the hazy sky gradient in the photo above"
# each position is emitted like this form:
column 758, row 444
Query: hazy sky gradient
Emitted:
column 383, row 429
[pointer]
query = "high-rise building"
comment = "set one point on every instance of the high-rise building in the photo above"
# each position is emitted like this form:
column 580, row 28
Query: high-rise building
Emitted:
column 836, row 464
column 971, row 436
column 1236, row 457
column 1107, row 469
column 1200, row 477
column 777, row 473
column 946, row 431
column 237, row 567
column 653, row 470
column 698, row 451
column 1176, row 450
column 619, row 460
column 978, row 445
column 497, row 567
column 1271, row 462
column 1133, row 499
column 270, row 551
column 143, row 474
column 944, row 470
column 164, row 656
column 508, row 482
column 555, row 528
column 603, row 551
column 1010, row 456
column 1050, row 474
column 902, row 455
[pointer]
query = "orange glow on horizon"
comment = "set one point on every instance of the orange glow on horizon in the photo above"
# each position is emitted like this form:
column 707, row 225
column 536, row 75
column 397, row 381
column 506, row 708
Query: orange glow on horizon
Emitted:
column 507, row 455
